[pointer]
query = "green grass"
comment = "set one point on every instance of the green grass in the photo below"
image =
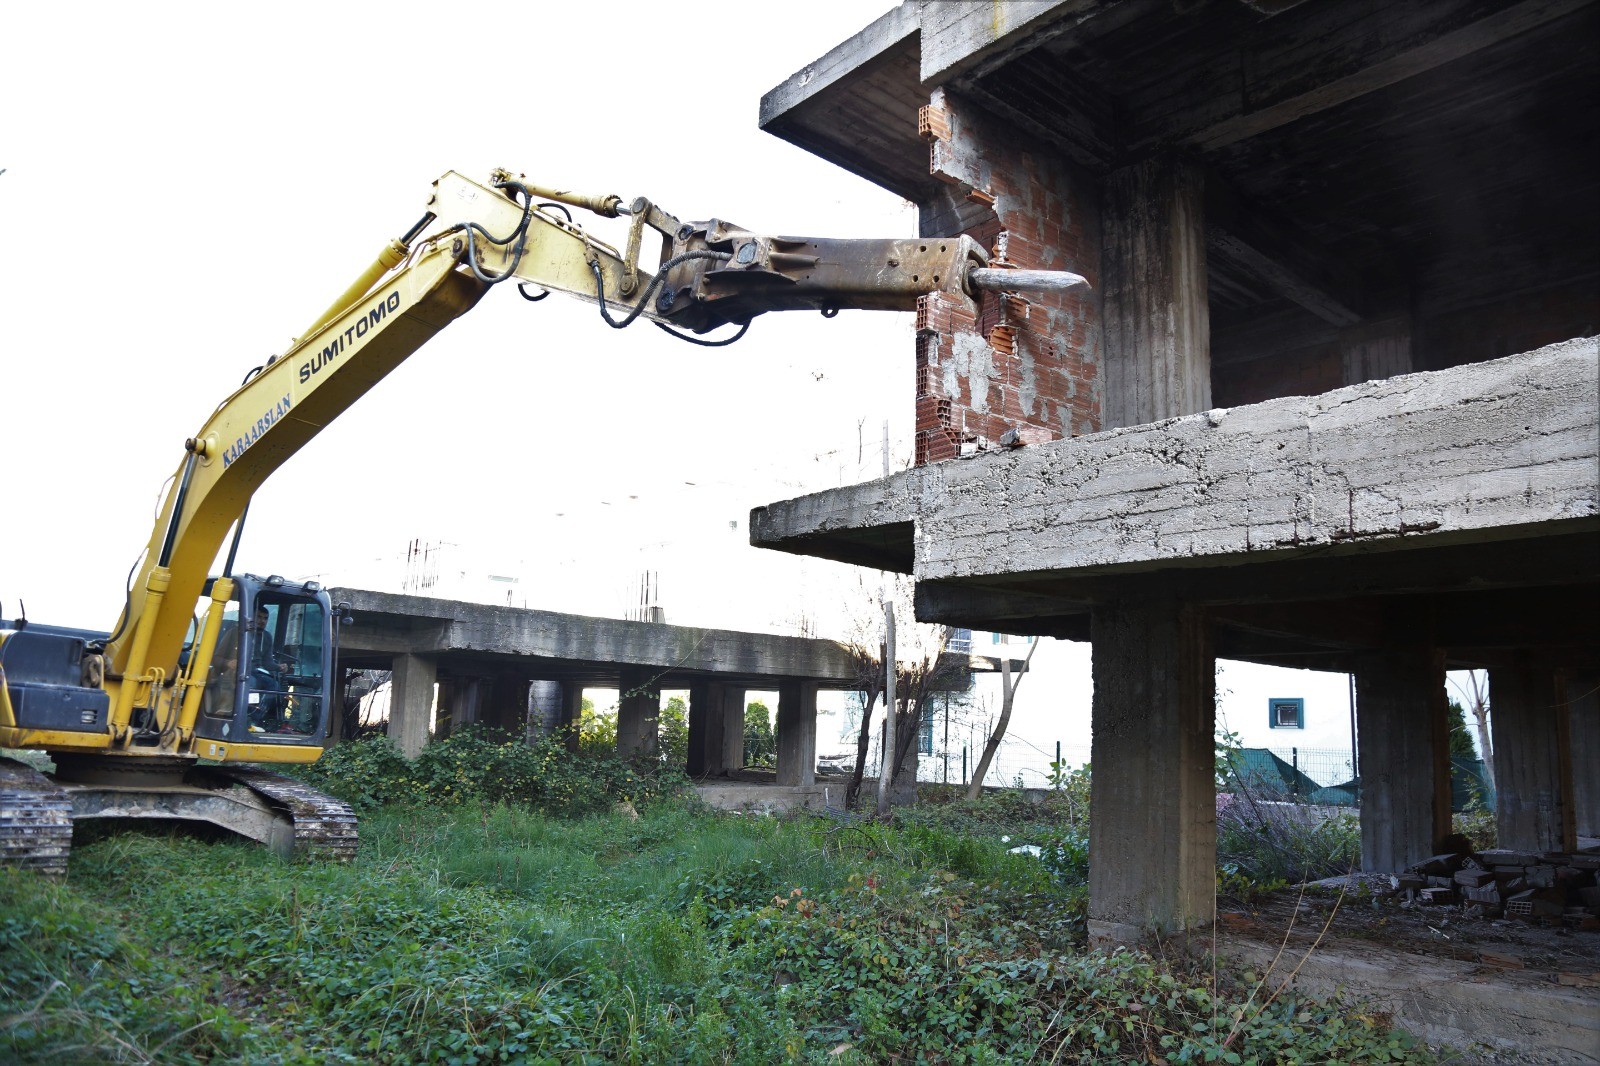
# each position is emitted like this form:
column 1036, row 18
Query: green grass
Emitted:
column 476, row 934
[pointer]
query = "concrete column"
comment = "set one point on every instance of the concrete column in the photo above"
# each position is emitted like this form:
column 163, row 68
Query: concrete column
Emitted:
column 1404, row 753
column 503, row 701
column 733, row 704
column 797, row 733
column 707, row 703
column 1583, row 705
column 1157, row 322
column 1532, row 757
column 638, row 711
column 542, row 710
column 571, row 712
column 1376, row 350
column 411, row 698
column 1153, row 818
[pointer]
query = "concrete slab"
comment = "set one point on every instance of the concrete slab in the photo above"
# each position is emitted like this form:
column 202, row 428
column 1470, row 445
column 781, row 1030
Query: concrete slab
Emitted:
column 1505, row 449
column 565, row 645
column 752, row 798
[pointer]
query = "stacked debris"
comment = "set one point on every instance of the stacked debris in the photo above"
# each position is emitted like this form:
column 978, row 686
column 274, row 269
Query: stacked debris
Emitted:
column 1553, row 888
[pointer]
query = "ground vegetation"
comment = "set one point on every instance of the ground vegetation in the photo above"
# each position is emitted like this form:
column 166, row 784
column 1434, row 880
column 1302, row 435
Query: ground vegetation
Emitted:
column 510, row 906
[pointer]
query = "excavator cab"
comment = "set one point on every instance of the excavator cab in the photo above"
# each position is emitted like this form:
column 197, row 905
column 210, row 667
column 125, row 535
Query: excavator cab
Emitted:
column 271, row 669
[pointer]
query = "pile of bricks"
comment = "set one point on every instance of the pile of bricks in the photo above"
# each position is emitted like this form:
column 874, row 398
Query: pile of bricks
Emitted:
column 1553, row 888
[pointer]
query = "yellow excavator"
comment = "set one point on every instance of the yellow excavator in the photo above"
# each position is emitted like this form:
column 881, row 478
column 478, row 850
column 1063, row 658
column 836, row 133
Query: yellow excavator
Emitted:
column 204, row 677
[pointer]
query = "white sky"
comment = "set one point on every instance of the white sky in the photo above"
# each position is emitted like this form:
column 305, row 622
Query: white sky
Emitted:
column 186, row 186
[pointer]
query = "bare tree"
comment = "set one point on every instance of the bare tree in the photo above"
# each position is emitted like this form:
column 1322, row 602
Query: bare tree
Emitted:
column 1475, row 695
column 1008, row 695
column 921, row 669
column 869, row 682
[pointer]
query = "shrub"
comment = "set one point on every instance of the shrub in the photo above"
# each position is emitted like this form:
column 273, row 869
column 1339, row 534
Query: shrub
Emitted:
column 1284, row 842
column 479, row 766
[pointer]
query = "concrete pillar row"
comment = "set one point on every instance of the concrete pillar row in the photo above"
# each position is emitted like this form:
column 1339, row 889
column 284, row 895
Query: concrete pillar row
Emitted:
column 797, row 733
column 1152, row 821
column 1533, row 783
column 638, row 714
column 1404, row 753
column 411, row 702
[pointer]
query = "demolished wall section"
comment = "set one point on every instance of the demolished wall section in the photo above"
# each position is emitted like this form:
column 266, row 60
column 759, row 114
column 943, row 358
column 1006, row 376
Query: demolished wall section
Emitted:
column 1026, row 370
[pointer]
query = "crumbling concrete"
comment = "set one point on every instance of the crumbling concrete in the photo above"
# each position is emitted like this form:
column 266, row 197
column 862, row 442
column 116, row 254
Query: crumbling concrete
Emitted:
column 1475, row 453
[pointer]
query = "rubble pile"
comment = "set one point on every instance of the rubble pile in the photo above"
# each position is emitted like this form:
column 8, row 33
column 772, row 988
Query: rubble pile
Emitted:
column 1552, row 888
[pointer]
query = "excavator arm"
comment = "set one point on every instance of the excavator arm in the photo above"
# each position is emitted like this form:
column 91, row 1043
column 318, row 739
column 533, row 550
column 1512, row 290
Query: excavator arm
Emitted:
column 473, row 237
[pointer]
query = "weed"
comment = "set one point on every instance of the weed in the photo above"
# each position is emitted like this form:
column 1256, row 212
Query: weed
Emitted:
column 476, row 931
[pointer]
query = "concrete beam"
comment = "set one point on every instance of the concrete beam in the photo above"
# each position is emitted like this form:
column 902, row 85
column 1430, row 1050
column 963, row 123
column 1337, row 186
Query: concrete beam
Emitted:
column 857, row 106
column 1533, row 783
column 411, row 696
column 1153, row 819
column 394, row 624
column 957, row 38
column 1500, row 450
column 841, row 61
column 1277, row 255
column 1403, row 746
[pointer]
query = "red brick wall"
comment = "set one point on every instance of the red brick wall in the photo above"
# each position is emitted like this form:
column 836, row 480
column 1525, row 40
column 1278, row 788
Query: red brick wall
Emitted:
column 1032, row 364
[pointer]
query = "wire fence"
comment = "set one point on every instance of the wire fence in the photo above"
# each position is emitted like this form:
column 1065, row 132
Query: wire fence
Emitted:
column 1017, row 763
column 1023, row 763
column 1324, row 766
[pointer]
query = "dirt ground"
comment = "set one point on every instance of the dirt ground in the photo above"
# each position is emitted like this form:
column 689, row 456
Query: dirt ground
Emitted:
column 1364, row 912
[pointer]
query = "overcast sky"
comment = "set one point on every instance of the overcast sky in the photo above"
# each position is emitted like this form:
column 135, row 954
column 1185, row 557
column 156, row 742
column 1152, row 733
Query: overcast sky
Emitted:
column 186, row 187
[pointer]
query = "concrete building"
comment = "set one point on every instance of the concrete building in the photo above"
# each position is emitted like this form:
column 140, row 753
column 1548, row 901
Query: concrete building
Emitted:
column 1332, row 402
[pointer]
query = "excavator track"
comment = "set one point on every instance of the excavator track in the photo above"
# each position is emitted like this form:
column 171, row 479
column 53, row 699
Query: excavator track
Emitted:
column 35, row 820
column 324, row 828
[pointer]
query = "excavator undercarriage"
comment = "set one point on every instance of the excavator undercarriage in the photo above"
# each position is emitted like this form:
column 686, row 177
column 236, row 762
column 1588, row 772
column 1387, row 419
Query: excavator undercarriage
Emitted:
column 37, row 812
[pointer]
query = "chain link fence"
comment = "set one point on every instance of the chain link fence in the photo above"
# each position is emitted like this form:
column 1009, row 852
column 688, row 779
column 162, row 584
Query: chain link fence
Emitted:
column 1017, row 763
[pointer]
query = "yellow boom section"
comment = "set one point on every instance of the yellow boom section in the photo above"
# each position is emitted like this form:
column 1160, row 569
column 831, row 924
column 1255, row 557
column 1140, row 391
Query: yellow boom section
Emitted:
column 272, row 416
